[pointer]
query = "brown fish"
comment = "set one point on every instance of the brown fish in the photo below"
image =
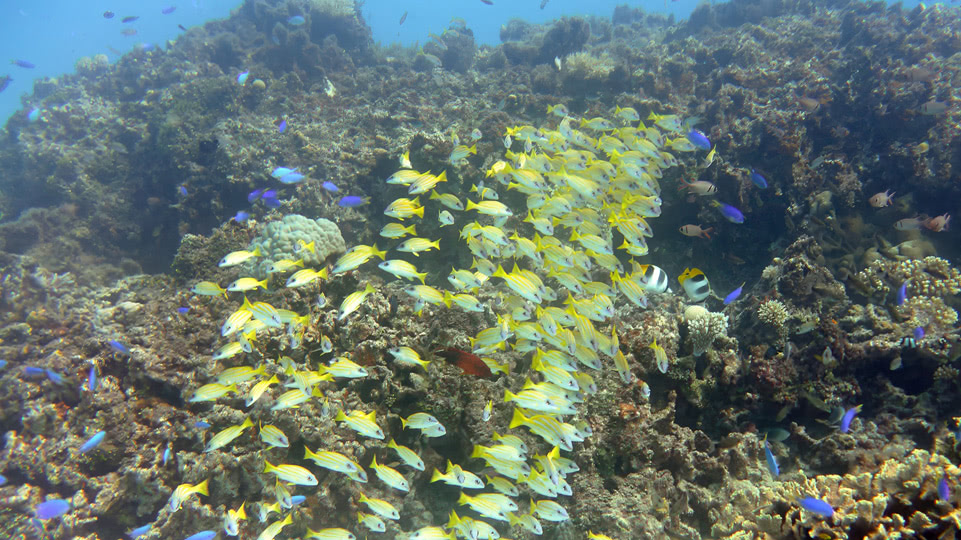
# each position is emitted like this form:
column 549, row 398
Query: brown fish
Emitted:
column 468, row 362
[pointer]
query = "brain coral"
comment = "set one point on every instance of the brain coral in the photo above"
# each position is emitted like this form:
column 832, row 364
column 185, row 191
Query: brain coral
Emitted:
column 281, row 240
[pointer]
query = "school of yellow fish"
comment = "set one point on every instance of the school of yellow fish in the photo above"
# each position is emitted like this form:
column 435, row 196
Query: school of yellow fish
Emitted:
column 544, row 267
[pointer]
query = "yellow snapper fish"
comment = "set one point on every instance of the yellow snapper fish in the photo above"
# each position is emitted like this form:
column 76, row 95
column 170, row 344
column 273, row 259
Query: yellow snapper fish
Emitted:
column 372, row 522
column 397, row 230
column 294, row 474
column 425, row 183
column 227, row 436
column 366, row 425
column 389, row 476
column 405, row 160
column 257, row 390
column 343, row 368
column 402, row 269
column 305, row 277
column 212, row 392
column 547, row 427
column 408, row 357
column 405, row 176
column 228, row 351
column 333, row 533
column 246, row 284
column 275, row 528
column 334, row 461
column 240, row 374
column 284, row 265
column 404, row 208
column 490, row 208
column 237, row 257
column 660, row 357
column 460, row 153
column 183, row 491
column 408, row 456
column 353, row 302
column 520, row 284
column 356, row 256
column 209, row 288
column 448, row 200
column 273, row 436
column 418, row 245
column 232, row 519
column 236, row 321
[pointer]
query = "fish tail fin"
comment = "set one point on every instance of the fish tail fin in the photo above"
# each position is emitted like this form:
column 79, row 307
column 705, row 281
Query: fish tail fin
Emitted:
column 436, row 476
column 203, row 487
column 518, row 419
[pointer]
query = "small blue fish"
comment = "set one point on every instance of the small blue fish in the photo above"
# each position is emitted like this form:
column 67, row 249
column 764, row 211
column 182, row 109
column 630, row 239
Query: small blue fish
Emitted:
column 281, row 172
column 329, row 186
column 254, row 195
column 183, row 310
column 816, row 506
column 944, row 490
column 167, row 11
column 699, row 139
column 166, row 455
column 182, row 190
column 3, row 480
column 919, row 333
column 292, row 178
column 730, row 213
column 903, row 292
column 242, row 78
column 33, row 115
column 92, row 379
column 351, row 201
column 269, row 194
column 848, row 417
column 30, row 371
column 296, row 20
column 93, row 442
column 282, row 126
column 201, row 424
column 771, row 462
column 51, row 509
column 23, row 63
column 272, row 202
column 3, row 364
column 118, row 347
column 55, row 377
column 139, row 531
column 241, row 216
column 734, row 295
column 297, row 499
column 758, row 179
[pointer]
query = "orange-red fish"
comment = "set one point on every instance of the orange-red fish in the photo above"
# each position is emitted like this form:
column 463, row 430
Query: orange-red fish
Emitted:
column 468, row 362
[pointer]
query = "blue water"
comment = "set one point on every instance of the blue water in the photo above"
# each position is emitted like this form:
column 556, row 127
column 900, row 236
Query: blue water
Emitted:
column 53, row 34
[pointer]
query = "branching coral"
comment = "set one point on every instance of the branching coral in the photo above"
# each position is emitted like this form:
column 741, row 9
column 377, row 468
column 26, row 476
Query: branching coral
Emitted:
column 703, row 328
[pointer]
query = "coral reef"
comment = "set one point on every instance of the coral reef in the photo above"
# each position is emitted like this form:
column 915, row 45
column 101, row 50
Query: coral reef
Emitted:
column 143, row 165
column 284, row 239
